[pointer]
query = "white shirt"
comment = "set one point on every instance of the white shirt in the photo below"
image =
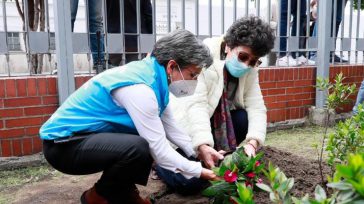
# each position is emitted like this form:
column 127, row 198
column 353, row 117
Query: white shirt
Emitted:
column 142, row 106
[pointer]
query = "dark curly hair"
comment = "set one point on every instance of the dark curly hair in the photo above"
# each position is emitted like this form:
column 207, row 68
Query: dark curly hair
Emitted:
column 251, row 32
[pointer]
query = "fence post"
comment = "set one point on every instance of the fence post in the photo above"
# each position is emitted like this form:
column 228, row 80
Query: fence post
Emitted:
column 324, row 46
column 64, row 49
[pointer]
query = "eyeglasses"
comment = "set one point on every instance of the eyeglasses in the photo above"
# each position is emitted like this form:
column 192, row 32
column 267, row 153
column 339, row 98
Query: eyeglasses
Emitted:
column 245, row 57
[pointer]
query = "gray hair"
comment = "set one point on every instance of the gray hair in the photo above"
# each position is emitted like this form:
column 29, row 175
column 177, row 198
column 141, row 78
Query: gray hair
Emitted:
column 183, row 47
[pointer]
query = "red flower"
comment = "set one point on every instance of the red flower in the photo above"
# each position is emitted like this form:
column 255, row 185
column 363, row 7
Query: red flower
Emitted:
column 257, row 163
column 230, row 176
column 260, row 180
column 250, row 175
column 248, row 184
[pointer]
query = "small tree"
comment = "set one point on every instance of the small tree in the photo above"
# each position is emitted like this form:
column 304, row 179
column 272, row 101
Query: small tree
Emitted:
column 337, row 94
column 348, row 138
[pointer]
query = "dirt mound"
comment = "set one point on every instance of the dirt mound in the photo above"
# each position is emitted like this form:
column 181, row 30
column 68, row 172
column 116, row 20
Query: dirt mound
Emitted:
column 305, row 172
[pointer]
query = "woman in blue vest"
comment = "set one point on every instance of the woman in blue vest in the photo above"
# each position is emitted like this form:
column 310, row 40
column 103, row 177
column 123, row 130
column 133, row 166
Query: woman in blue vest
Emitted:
column 119, row 122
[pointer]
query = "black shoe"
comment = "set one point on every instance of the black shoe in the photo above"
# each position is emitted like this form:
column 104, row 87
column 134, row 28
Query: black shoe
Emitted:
column 338, row 59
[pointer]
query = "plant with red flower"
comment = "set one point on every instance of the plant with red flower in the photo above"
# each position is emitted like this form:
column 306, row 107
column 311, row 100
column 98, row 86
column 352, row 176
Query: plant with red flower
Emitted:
column 230, row 176
column 250, row 175
column 240, row 174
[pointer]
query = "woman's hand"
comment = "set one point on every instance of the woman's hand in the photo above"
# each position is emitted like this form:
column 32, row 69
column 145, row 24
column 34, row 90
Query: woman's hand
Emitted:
column 209, row 155
column 208, row 175
column 251, row 147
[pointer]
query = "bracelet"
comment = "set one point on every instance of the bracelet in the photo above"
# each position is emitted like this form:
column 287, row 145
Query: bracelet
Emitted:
column 252, row 146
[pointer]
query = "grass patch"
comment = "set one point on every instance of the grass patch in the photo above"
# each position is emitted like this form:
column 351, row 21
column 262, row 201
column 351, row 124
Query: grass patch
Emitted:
column 19, row 177
column 298, row 141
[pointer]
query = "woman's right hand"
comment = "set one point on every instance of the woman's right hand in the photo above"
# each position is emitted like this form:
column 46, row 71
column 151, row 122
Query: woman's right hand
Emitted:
column 208, row 175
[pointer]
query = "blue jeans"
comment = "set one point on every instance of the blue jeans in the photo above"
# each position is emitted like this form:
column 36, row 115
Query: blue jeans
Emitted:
column 339, row 18
column 283, row 23
column 95, row 24
column 359, row 98
column 179, row 183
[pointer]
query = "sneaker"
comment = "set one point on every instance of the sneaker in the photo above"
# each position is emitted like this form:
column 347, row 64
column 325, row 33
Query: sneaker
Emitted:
column 92, row 197
column 287, row 61
column 304, row 61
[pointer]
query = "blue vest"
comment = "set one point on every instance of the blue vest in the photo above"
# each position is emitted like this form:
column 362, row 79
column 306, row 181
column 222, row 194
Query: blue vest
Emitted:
column 91, row 108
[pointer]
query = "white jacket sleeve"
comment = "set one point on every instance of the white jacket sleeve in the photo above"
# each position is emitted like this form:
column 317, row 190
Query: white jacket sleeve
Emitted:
column 198, row 114
column 257, row 112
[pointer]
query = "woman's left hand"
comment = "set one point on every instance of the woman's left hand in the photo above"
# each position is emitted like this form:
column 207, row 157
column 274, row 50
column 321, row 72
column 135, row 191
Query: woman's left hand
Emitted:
column 250, row 148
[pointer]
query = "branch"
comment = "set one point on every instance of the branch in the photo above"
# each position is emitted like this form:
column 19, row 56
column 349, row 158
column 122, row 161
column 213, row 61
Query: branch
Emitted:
column 21, row 13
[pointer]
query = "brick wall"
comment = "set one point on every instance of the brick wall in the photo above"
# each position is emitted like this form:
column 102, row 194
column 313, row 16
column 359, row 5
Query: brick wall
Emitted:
column 289, row 92
column 27, row 102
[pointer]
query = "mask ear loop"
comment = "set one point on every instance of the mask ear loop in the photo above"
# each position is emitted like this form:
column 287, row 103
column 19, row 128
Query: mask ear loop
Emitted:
column 184, row 81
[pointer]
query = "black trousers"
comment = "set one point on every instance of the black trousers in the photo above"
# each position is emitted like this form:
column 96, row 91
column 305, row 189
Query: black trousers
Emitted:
column 124, row 160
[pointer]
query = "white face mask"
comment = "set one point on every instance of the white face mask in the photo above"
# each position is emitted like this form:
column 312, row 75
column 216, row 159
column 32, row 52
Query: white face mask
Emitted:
column 182, row 88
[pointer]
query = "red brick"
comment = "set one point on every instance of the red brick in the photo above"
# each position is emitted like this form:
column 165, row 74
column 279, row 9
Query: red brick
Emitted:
column 303, row 73
column 275, row 105
column 276, row 91
column 40, row 110
column 78, row 82
column 48, row 100
column 30, row 131
column 2, row 88
column 280, row 74
column 10, row 88
column 1, row 124
column 268, row 85
column 32, row 86
column 294, row 103
column 52, row 86
column 264, row 92
column 1, row 103
column 302, row 96
column 272, row 75
column 42, row 86
column 308, row 102
column 27, row 146
column 303, row 83
column 261, row 76
column 295, row 73
column 8, row 113
column 21, row 87
column 309, row 89
column 16, row 146
column 37, row 144
column 288, row 74
column 21, row 122
column 26, row 101
column 5, row 148
column 283, row 84
column 270, row 99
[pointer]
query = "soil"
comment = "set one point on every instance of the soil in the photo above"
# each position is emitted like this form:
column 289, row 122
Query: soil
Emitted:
column 67, row 189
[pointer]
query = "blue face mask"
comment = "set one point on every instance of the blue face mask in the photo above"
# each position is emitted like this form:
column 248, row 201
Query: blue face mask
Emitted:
column 236, row 68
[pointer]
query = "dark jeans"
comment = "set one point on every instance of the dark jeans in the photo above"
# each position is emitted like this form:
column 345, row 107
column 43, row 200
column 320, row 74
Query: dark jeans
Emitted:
column 124, row 160
column 179, row 183
column 283, row 24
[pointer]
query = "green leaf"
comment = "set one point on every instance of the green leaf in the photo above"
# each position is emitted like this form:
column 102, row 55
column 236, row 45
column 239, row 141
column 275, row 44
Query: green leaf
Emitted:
column 340, row 186
column 219, row 187
column 320, row 194
column 236, row 200
column 264, row 187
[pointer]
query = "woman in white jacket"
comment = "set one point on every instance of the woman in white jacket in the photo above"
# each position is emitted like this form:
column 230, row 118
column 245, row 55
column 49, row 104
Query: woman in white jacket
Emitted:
column 227, row 106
